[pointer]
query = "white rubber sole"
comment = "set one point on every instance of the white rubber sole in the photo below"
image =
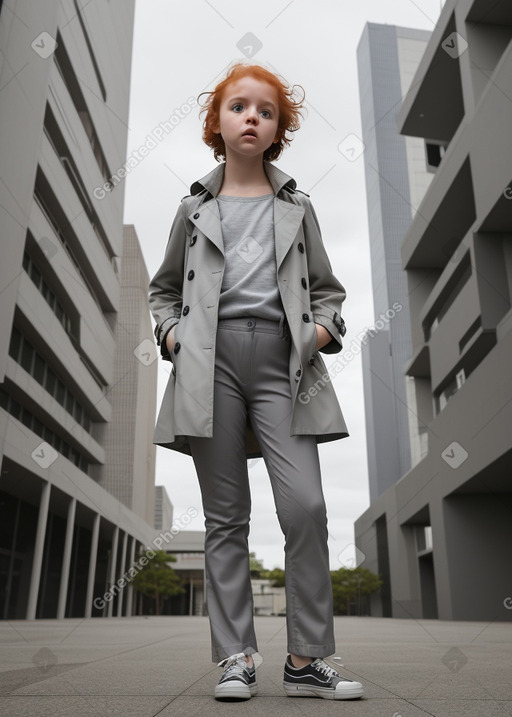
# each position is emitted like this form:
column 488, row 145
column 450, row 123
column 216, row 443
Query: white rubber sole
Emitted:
column 235, row 690
column 352, row 693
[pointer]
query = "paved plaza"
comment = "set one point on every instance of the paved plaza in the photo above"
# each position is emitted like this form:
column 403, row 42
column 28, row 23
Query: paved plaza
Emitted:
column 143, row 667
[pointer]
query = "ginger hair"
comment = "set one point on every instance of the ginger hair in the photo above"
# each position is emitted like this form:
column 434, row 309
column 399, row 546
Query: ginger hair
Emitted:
column 289, row 109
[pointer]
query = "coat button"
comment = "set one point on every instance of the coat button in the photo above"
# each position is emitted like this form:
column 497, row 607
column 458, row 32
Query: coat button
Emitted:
column 304, row 283
column 193, row 240
column 311, row 360
column 298, row 372
column 196, row 215
column 305, row 317
column 176, row 348
column 300, row 247
column 190, row 274
column 185, row 311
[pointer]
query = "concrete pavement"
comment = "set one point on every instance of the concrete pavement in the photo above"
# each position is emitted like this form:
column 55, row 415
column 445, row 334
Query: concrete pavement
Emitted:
column 143, row 667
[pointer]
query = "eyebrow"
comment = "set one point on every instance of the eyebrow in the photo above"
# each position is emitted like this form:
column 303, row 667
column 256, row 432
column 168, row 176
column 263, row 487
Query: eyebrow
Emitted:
column 265, row 102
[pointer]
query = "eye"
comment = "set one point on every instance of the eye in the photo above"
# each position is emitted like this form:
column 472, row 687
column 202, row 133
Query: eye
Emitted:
column 269, row 116
column 238, row 104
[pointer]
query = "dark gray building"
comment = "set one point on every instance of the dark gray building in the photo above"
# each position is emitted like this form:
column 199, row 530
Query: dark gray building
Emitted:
column 397, row 177
column 442, row 535
column 78, row 363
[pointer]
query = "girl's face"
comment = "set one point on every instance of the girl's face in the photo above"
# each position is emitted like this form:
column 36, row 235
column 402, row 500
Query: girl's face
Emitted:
column 248, row 117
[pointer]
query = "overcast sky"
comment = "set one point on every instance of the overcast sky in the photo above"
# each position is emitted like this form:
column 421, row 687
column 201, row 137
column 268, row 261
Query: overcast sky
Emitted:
column 184, row 48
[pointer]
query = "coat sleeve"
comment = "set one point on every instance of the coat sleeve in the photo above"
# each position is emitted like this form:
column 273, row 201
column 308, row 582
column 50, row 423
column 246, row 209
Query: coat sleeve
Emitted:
column 165, row 288
column 327, row 294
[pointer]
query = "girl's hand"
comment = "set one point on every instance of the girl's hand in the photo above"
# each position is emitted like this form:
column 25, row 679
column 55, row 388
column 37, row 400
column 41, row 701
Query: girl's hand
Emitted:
column 169, row 339
column 323, row 337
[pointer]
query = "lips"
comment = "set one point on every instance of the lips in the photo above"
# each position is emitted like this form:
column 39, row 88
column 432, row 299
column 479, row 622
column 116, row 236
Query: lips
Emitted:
column 249, row 133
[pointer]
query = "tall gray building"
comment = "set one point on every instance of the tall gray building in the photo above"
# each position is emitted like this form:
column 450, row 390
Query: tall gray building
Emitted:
column 397, row 177
column 441, row 536
column 78, row 361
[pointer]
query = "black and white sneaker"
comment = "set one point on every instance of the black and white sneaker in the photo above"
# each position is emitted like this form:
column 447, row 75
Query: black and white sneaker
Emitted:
column 238, row 681
column 318, row 679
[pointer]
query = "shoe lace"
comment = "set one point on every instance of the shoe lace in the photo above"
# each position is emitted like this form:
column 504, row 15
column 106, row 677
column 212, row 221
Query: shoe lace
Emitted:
column 322, row 666
column 231, row 663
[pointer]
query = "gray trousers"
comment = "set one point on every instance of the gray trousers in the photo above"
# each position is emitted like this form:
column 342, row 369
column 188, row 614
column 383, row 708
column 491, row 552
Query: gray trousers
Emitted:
column 251, row 376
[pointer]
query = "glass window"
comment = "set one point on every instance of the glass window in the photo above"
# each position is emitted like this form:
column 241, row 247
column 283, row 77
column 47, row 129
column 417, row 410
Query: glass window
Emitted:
column 77, row 412
column 39, row 367
column 50, row 381
column 15, row 408
column 61, row 392
column 69, row 402
column 35, row 274
column 26, row 356
column 37, row 427
column 26, row 418
column 14, row 348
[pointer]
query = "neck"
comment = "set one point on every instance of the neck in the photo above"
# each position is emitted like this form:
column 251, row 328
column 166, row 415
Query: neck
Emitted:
column 244, row 173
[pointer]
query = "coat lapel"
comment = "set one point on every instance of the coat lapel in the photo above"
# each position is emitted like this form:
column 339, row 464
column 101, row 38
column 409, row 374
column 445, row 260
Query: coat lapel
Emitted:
column 287, row 216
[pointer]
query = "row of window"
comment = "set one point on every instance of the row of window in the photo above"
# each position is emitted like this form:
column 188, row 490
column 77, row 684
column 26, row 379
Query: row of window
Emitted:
column 49, row 296
column 22, row 351
column 19, row 412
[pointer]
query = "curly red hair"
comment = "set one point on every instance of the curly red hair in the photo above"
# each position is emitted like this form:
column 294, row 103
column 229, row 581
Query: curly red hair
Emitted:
column 289, row 109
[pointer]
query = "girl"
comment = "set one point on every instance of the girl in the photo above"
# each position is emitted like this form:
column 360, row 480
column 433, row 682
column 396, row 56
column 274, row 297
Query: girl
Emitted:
column 243, row 302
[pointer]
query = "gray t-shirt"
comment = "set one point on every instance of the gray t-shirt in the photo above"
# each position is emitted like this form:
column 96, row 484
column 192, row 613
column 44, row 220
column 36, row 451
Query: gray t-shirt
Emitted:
column 249, row 285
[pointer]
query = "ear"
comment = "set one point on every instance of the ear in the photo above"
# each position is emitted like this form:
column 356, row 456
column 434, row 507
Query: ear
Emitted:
column 216, row 127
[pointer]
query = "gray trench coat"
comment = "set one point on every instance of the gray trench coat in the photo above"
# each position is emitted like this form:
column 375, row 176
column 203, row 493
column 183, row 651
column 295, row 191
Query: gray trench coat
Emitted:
column 186, row 289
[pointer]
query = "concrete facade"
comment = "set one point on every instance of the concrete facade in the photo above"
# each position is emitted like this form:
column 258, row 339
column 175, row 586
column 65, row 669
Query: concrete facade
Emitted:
column 441, row 537
column 163, row 508
column 396, row 180
column 77, row 380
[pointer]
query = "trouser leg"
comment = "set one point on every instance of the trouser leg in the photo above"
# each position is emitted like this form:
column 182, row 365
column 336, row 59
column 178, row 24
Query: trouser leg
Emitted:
column 294, row 469
column 221, row 466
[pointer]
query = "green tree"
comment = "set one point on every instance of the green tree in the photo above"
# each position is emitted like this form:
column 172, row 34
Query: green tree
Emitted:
column 255, row 566
column 350, row 585
column 156, row 579
column 276, row 576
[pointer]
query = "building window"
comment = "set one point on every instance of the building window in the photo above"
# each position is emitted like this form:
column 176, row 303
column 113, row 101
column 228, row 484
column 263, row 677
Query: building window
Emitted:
column 22, row 351
column 72, row 83
column 434, row 153
column 49, row 296
column 442, row 397
column 9, row 404
column 56, row 139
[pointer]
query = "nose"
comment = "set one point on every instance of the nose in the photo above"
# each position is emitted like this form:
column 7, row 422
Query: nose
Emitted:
column 252, row 115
